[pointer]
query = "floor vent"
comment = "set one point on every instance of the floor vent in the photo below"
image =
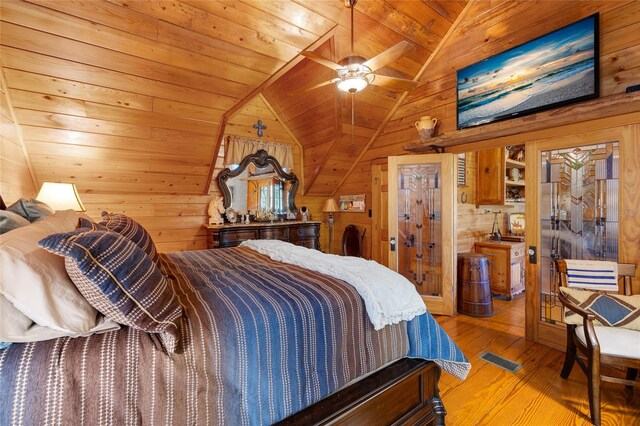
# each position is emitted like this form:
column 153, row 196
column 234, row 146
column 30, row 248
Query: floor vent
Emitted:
column 501, row 362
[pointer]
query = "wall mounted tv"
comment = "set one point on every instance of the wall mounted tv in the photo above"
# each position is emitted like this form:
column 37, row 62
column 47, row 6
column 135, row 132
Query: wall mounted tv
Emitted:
column 555, row 69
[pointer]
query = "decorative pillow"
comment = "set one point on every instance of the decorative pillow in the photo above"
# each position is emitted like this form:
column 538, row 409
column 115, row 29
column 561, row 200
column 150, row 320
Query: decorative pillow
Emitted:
column 120, row 280
column 10, row 221
column 32, row 210
column 36, row 283
column 131, row 230
column 612, row 310
column 16, row 327
column 88, row 223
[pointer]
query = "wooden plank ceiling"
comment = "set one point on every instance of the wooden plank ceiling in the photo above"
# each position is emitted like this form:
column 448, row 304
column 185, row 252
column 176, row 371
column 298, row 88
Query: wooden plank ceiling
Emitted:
column 128, row 96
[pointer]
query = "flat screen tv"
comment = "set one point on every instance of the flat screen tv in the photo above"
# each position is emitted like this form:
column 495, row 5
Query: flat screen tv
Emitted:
column 556, row 69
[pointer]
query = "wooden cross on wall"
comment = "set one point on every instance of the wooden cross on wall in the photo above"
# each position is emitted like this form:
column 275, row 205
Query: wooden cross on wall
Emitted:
column 260, row 127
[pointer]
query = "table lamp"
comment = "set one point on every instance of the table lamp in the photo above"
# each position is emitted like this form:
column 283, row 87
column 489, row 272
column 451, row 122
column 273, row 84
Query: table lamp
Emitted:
column 60, row 196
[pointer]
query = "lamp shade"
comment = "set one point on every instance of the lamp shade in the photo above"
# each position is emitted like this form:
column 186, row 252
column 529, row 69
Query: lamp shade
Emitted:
column 330, row 206
column 60, row 196
column 353, row 84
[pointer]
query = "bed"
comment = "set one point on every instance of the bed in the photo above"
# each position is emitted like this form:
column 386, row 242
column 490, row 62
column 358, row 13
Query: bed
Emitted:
column 258, row 342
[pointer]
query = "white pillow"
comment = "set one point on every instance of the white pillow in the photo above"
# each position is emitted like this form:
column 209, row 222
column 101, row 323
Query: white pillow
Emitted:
column 16, row 327
column 36, row 283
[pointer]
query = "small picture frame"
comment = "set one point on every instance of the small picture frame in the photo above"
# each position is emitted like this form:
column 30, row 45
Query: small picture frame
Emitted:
column 352, row 203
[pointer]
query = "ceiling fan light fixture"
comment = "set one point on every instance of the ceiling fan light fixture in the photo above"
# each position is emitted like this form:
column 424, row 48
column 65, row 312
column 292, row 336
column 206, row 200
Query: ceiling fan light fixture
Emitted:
column 353, row 84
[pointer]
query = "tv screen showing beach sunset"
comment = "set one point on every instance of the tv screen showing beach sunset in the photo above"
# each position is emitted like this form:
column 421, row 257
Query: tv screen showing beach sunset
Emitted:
column 554, row 69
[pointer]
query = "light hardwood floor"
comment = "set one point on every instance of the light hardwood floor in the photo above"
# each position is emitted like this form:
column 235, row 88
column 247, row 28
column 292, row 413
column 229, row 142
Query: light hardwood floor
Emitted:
column 535, row 395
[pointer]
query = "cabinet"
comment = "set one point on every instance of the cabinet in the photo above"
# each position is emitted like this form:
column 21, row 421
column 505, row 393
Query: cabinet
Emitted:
column 305, row 234
column 506, row 266
column 497, row 183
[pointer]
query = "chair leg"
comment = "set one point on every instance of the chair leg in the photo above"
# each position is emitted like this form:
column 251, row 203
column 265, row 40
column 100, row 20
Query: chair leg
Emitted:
column 594, row 388
column 570, row 355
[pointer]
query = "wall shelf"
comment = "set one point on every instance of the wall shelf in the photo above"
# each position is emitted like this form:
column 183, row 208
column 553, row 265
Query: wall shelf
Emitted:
column 622, row 103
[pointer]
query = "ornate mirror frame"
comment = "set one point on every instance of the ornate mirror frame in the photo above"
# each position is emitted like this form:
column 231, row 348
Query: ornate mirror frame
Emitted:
column 261, row 159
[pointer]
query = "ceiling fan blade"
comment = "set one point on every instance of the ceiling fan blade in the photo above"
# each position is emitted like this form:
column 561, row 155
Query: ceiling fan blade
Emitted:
column 315, row 86
column 321, row 60
column 389, row 55
column 393, row 82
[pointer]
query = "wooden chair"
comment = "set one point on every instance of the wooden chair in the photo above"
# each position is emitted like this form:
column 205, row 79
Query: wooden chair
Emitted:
column 352, row 241
column 600, row 345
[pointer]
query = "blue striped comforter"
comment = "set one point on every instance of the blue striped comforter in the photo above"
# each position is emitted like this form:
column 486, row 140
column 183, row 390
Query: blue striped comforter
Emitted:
column 260, row 340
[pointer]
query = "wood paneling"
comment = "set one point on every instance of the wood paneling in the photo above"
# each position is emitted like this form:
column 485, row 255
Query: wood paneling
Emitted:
column 124, row 98
column 486, row 30
column 127, row 97
column 500, row 28
column 16, row 179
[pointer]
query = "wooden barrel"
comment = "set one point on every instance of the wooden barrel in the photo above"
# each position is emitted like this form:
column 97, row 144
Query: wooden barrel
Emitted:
column 474, row 287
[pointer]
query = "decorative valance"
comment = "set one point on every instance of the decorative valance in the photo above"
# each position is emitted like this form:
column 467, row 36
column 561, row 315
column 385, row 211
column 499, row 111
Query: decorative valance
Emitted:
column 236, row 148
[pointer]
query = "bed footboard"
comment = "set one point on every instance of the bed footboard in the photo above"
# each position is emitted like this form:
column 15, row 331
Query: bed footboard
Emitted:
column 404, row 393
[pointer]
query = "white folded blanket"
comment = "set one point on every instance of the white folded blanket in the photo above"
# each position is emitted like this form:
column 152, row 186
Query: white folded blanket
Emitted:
column 592, row 274
column 388, row 296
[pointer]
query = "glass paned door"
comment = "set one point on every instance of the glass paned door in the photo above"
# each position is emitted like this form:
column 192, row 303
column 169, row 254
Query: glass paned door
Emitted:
column 419, row 226
column 422, row 225
column 578, row 213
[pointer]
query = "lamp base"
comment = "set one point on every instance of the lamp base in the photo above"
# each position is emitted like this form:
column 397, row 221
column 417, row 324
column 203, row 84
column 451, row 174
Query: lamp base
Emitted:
column 330, row 232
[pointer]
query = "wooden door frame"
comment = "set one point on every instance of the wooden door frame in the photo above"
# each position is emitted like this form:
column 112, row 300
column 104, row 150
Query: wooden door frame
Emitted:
column 554, row 335
column 379, row 235
column 444, row 304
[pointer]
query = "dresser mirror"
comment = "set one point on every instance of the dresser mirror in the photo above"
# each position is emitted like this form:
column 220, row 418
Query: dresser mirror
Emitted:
column 259, row 185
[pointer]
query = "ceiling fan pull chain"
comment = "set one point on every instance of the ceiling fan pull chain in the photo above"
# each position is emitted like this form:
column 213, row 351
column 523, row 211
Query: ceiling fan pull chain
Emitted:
column 353, row 111
column 353, row 115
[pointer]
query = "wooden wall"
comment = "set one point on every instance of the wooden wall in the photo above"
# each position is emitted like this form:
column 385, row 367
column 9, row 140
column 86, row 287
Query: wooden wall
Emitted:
column 15, row 178
column 125, row 98
column 481, row 35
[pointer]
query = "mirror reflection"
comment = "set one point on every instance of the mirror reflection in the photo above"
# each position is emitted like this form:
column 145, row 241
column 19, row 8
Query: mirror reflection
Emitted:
column 259, row 187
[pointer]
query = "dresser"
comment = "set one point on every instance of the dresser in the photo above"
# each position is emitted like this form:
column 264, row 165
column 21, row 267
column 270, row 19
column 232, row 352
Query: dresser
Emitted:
column 506, row 266
column 305, row 234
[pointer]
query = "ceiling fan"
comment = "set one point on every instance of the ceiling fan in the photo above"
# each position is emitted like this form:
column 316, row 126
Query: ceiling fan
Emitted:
column 354, row 73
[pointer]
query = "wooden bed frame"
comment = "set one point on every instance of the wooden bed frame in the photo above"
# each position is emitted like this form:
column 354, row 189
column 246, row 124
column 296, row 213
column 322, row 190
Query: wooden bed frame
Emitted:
column 403, row 393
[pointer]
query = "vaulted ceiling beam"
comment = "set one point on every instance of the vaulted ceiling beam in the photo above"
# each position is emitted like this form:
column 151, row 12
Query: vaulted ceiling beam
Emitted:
column 5, row 89
column 255, row 92
column 422, row 70
column 291, row 135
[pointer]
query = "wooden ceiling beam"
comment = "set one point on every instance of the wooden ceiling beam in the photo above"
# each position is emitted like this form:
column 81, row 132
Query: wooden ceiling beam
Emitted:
column 255, row 92
column 422, row 70
column 291, row 135
column 5, row 89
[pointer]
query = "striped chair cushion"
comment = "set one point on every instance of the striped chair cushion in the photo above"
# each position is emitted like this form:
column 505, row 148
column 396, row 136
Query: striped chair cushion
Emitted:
column 119, row 280
column 611, row 310
column 131, row 230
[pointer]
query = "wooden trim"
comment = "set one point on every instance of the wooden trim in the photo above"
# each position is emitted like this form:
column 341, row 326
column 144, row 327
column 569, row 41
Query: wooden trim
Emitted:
column 16, row 123
column 532, row 239
column 406, row 392
column 536, row 330
column 283, row 70
column 422, row 70
column 258, row 91
column 291, row 135
column 609, row 106
column 443, row 304
column 214, row 154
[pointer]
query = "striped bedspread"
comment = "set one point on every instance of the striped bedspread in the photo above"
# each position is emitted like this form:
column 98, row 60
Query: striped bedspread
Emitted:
column 260, row 340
